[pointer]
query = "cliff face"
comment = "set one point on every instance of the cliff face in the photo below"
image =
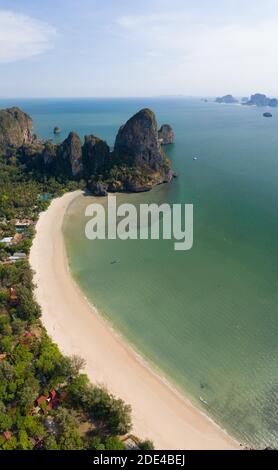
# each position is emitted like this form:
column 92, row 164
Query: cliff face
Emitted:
column 96, row 156
column 15, row 129
column 137, row 142
column 166, row 135
column 70, row 155
column 137, row 163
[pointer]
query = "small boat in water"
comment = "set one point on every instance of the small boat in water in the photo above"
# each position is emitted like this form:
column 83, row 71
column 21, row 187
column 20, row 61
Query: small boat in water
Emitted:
column 195, row 158
column 203, row 401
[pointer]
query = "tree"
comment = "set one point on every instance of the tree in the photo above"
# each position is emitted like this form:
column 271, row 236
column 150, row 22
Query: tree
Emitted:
column 27, row 308
column 114, row 443
column 68, row 437
column 50, row 443
column 24, row 442
column 50, row 361
column 146, row 445
column 71, row 440
column 7, row 382
column 96, row 444
column 6, row 422
column 32, row 425
column 28, row 393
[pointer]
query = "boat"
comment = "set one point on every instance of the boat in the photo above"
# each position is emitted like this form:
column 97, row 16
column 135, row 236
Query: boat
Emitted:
column 203, row 401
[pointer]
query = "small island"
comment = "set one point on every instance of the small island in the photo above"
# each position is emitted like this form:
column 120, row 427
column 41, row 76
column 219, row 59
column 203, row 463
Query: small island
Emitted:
column 166, row 135
column 261, row 100
column 227, row 99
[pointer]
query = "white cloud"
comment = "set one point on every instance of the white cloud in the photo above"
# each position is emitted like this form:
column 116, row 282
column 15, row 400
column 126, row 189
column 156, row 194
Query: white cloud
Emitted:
column 193, row 54
column 22, row 36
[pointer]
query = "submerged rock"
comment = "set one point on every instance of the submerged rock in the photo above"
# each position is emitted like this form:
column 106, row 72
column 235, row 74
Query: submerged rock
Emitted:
column 166, row 135
column 15, row 129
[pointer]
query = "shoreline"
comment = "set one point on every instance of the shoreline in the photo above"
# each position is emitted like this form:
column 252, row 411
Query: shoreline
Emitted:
column 159, row 412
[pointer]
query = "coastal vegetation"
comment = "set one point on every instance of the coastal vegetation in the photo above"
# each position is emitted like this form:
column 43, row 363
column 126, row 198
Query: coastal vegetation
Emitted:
column 46, row 402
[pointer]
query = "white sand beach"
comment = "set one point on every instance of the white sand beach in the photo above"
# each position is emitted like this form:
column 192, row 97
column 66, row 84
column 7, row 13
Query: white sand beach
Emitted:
column 159, row 413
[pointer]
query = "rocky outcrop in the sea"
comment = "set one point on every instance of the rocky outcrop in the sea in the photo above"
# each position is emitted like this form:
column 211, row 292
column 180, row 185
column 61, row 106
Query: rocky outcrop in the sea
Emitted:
column 137, row 147
column 69, row 156
column 96, row 156
column 137, row 142
column 15, row 129
column 259, row 99
column 227, row 99
column 166, row 135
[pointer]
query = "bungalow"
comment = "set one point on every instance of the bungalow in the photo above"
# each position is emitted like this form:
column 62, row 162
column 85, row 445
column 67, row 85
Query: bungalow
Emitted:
column 47, row 402
column 42, row 399
column 131, row 442
column 3, row 356
column 7, row 241
column 17, row 257
column 21, row 225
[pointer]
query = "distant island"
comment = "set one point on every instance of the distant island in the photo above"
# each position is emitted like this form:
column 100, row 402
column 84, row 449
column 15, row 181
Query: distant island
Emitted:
column 258, row 99
column 227, row 99
column 137, row 163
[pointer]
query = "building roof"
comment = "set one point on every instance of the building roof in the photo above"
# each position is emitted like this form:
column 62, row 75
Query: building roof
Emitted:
column 6, row 240
column 7, row 435
column 53, row 394
column 41, row 400
column 20, row 255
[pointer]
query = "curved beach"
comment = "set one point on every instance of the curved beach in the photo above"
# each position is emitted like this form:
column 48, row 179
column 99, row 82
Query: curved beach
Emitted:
column 159, row 413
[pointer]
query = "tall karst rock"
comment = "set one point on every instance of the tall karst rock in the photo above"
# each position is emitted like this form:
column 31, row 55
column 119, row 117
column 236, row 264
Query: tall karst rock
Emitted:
column 15, row 129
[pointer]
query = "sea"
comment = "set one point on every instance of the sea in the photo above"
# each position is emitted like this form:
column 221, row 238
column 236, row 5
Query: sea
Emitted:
column 206, row 319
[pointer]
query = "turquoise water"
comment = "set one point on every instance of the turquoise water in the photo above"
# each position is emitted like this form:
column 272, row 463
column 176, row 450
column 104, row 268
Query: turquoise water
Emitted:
column 207, row 318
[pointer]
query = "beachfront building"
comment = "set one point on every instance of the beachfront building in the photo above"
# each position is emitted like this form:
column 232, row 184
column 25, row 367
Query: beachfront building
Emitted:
column 7, row 241
column 21, row 225
column 17, row 257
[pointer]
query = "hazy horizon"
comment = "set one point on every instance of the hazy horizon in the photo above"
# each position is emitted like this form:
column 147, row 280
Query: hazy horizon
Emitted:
column 80, row 49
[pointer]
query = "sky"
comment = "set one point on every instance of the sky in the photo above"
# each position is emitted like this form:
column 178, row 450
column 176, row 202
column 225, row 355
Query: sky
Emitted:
column 117, row 48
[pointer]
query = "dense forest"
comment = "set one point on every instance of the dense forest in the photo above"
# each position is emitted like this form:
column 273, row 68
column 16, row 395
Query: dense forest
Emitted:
column 46, row 402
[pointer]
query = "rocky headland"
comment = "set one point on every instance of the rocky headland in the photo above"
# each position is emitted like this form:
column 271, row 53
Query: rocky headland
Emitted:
column 15, row 129
column 136, row 164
